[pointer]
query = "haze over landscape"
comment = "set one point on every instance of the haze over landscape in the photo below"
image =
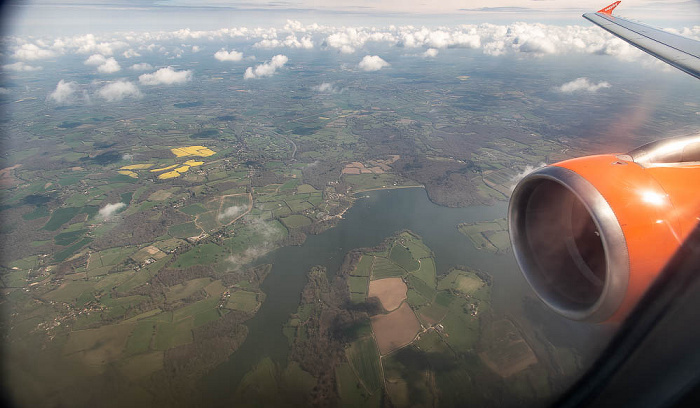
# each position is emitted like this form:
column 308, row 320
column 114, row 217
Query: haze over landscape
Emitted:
column 283, row 203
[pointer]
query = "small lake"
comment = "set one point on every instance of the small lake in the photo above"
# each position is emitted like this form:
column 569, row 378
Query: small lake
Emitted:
column 375, row 216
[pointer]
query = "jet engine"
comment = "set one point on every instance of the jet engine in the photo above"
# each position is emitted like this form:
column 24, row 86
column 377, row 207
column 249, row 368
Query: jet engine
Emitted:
column 591, row 234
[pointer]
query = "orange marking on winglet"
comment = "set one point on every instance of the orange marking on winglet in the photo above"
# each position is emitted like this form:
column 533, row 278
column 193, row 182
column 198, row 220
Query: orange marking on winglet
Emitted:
column 609, row 9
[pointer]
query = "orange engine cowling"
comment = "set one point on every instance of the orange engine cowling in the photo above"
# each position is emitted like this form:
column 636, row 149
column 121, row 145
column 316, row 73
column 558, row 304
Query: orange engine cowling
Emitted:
column 591, row 234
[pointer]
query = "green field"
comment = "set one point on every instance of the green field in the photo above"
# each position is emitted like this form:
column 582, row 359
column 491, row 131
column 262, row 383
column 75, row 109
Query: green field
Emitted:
column 295, row 221
column 99, row 346
column 433, row 312
column 193, row 209
column 426, row 273
column 402, row 256
column 488, row 235
column 61, row 216
column 357, row 284
column 306, row 188
column 351, row 392
column 418, row 249
column 186, row 289
column 193, row 310
column 200, row 255
column 140, row 339
column 459, row 280
column 414, row 298
column 169, row 335
column 243, row 300
column 364, row 266
column 421, row 287
column 463, row 330
column 385, row 268
column 363, row 356
column 69, row 291
column 68, row 238
column 186, row 230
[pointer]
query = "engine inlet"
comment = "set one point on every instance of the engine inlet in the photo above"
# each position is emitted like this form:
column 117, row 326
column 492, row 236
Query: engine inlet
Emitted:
column 569, row 244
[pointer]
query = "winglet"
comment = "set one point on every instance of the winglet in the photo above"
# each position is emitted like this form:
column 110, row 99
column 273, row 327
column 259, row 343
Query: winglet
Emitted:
column 609, row 9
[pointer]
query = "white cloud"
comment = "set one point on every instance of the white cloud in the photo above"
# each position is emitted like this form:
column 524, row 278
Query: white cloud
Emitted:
column 130, row 53
column 116, row 91
column 64, row 92
column 266, row 69
column 527, row 170
column 248, row 256
column 105, row 213
column 582, row 85
column 195, row 48
column 143, row 66
column 232, row 212
column 21, row 67
column 372, row 63
column 105, row 65
column 90, row 43
column 111, row 65
column 327, row 87
column 290, row 41
column 233, row 55
column 95, row 59
column 430, row 53
column 4, row 91
column 166, row 76
column 30, row 52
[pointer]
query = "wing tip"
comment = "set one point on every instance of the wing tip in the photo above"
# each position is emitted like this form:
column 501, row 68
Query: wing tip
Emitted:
column 609, row 9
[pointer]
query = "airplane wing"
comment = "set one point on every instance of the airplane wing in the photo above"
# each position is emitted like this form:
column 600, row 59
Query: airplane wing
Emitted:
column 680, row 52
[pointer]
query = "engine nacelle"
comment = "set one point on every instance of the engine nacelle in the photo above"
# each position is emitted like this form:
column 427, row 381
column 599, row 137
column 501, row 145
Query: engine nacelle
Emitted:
column 591, row 234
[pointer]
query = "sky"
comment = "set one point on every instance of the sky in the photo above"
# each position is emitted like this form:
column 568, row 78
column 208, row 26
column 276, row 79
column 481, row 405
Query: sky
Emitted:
column 134, row 44
column 97, row 16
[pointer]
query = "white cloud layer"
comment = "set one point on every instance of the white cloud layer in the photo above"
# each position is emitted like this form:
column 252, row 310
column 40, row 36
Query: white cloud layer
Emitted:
column 266, row 69
column 166, row 76
column 64, row 92
column 31, row 52
column 491, row 39
column 290, row 41
column 582, row 85
column 372, row 63
column 116, row 91
column 233, row 55
column 21, row 67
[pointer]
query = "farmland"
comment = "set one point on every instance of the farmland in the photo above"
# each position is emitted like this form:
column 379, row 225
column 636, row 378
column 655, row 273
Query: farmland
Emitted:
column 136, row 233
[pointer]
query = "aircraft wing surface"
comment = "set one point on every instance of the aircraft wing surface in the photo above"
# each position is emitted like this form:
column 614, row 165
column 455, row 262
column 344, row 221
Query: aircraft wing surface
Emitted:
column 681, row 52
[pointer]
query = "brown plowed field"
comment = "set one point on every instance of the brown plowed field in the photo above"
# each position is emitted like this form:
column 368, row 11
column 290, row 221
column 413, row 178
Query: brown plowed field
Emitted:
column 396, row 329
column 390, row 291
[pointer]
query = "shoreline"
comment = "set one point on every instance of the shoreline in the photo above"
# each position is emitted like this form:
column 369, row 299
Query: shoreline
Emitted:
column 387, row 188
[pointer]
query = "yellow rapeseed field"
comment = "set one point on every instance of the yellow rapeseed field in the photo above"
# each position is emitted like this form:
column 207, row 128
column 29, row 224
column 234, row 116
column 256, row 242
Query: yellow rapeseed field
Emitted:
column 137, row 166
column 192, row 151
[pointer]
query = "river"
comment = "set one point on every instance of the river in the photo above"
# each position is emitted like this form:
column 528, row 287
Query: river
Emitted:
column 373, row 217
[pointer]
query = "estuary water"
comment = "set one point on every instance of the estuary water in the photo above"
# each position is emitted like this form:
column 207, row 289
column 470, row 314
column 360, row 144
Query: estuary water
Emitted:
column 375, row 216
